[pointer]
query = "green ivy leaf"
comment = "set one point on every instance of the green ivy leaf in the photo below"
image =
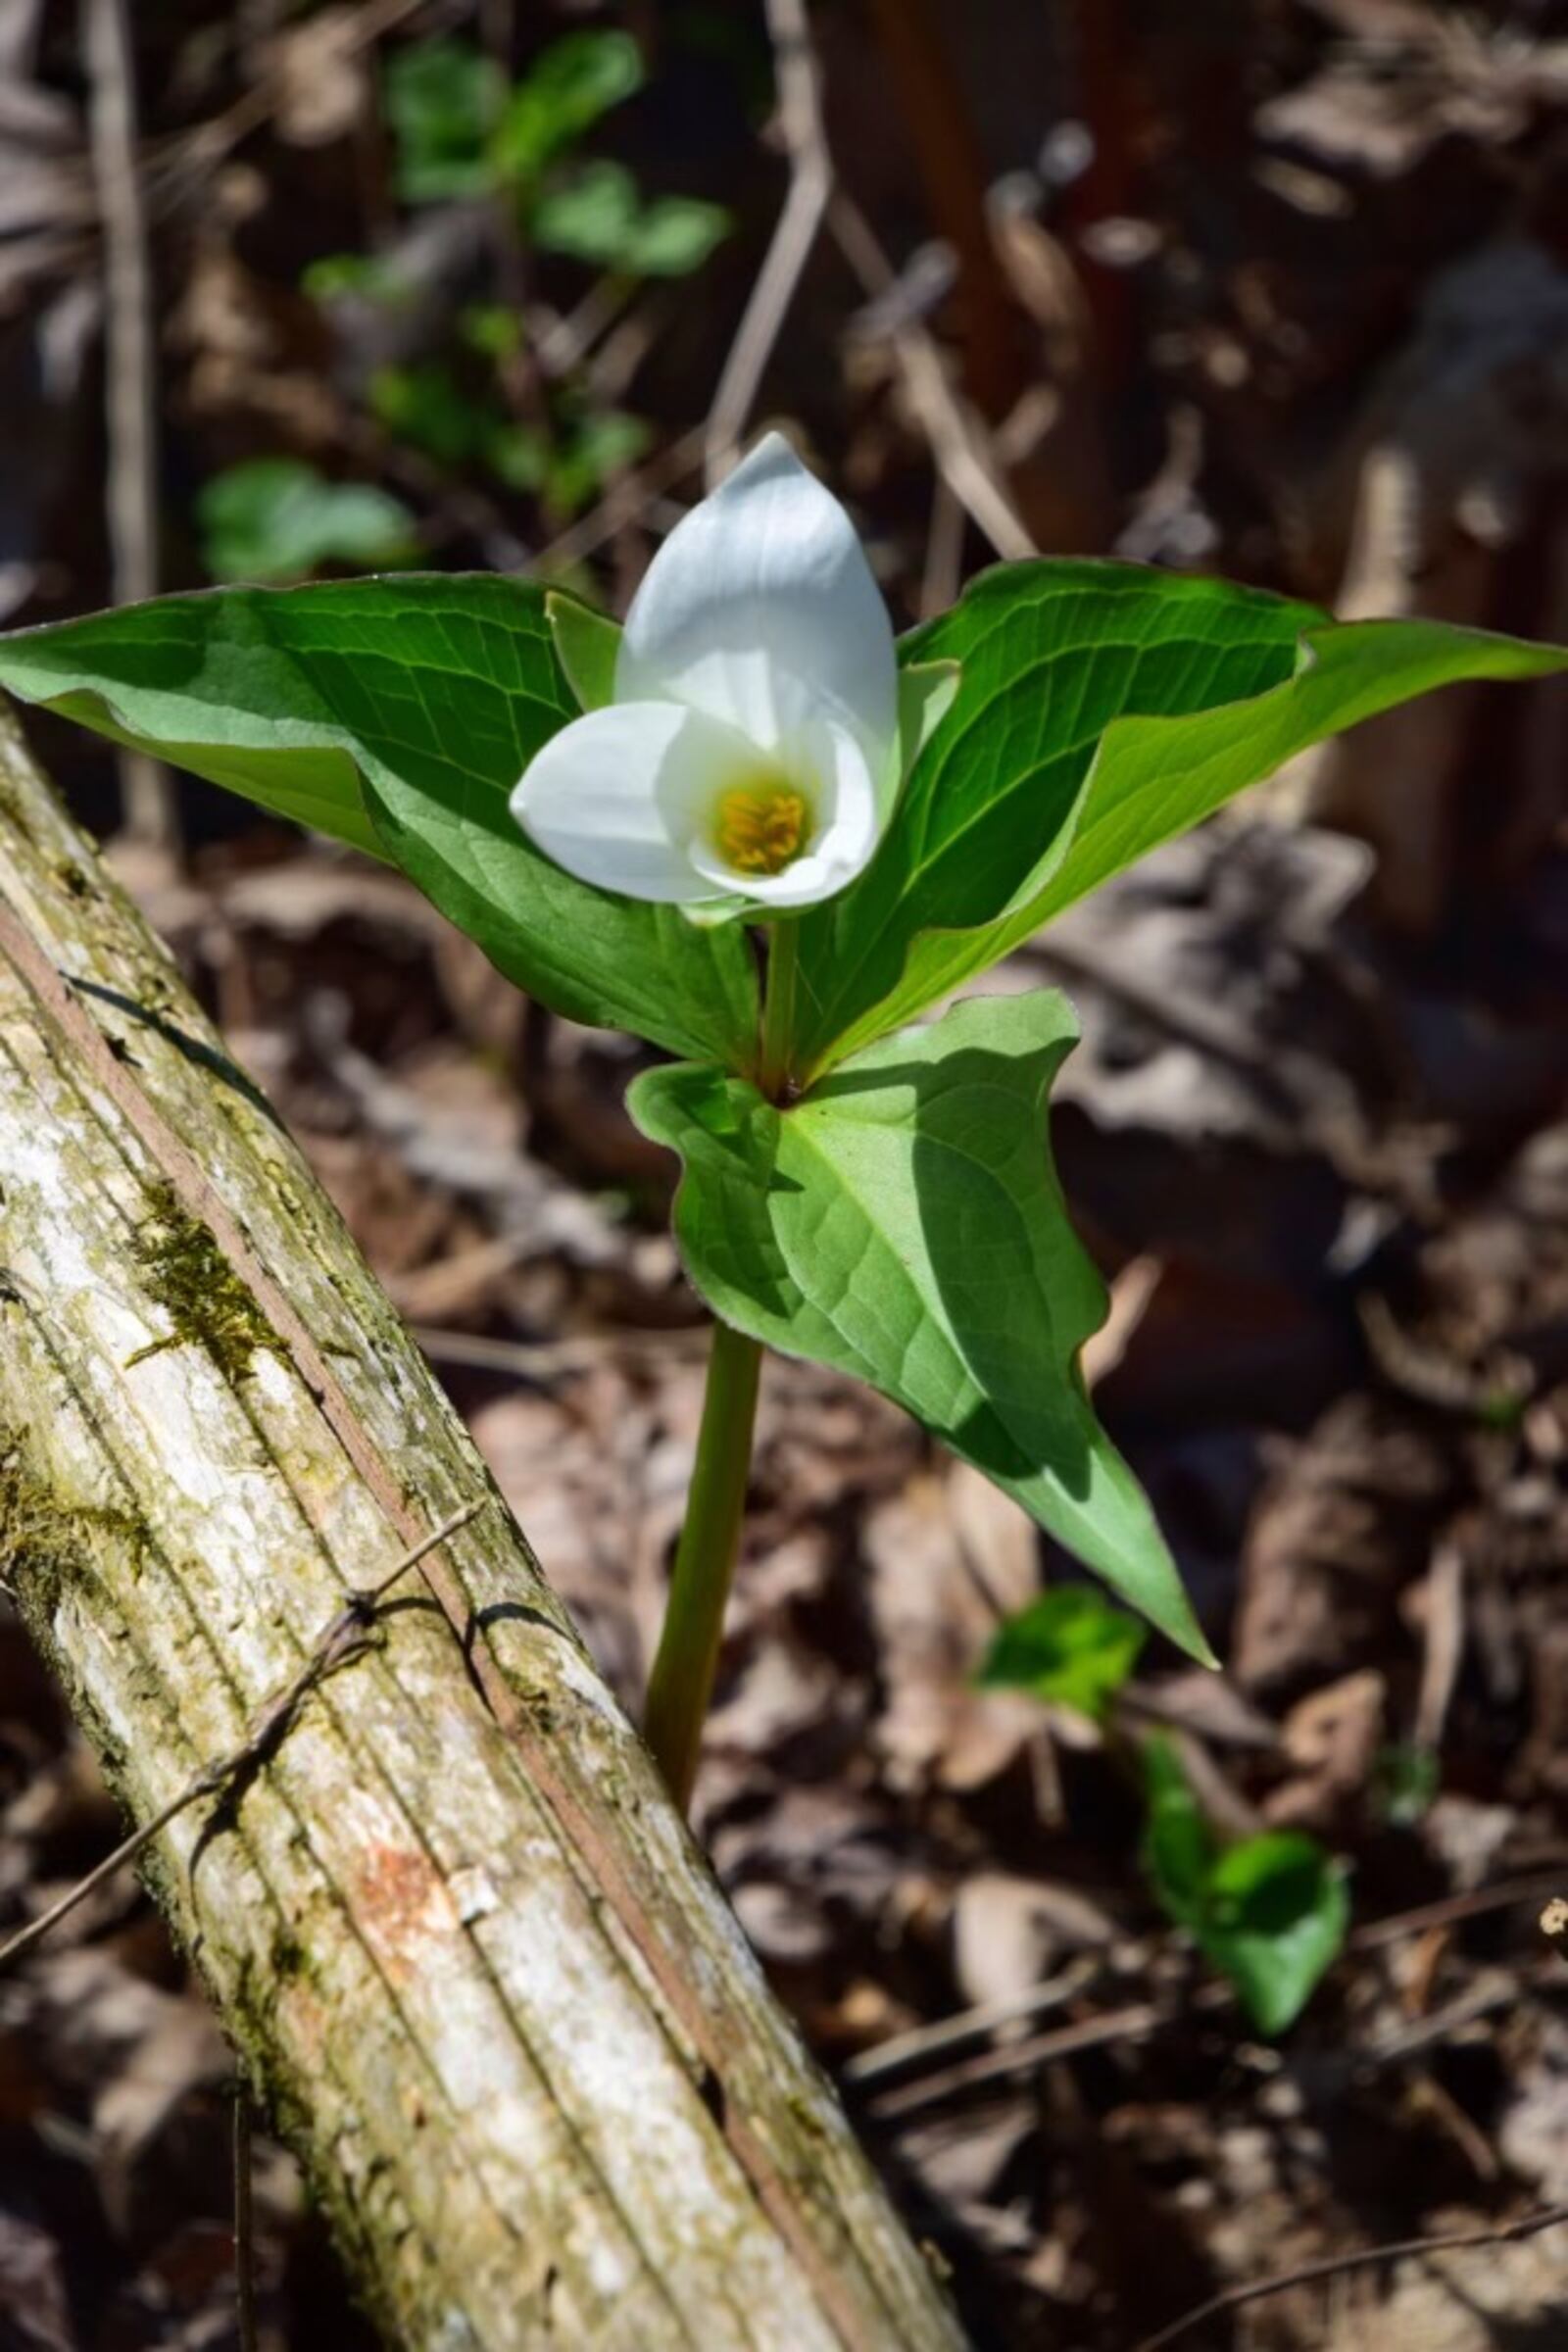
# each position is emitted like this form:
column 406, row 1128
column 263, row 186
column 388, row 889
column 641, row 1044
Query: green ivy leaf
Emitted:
column 903, row 1222
column 1070, row 1647
column 443, row 100
column 398, row 714
column 1270, row 1912
column 572, row 83
column 426, row 406
column 598, row 217
column 1102, row 709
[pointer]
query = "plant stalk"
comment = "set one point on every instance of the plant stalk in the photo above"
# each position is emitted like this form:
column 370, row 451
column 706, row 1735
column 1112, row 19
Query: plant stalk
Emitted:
column 682, row 1680
column 775, row 1073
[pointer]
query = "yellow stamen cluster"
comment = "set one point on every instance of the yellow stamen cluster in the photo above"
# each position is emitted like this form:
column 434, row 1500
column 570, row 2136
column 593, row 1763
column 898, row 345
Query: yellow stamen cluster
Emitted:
column 760, row 830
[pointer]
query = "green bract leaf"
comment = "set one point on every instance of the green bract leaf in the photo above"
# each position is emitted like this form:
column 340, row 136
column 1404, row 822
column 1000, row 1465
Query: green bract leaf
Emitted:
column 1104, row 709
column 903, row 1222
column 927, row 692
column 1069, row 1646
column 586, row 645
column 278, row 518
column 398, row 714
column 1270, row 1912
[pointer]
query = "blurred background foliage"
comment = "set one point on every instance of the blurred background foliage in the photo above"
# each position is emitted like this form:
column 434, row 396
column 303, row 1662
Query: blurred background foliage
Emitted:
column 1274, row 288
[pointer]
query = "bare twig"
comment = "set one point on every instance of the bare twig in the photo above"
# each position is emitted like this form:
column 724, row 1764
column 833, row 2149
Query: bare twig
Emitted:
column 1443, row 1646
column 1139, row 2021
column 556, row 1359
column 1500, row 1991
column 1132, row 1294
column 967, row 2024
column 244, row 2225
column 149, row 806
column 624, row 503
column 1452, row 1908
column 178, row 162
column 800, row 116
column 942, row 573
column 958, row 444
column 342, row 1639
column 1334, row 2265
column 952, row 167
column 1135, row 2022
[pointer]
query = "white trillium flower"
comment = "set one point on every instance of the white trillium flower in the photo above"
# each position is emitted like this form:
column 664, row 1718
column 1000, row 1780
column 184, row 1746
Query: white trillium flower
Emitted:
column 752, row 747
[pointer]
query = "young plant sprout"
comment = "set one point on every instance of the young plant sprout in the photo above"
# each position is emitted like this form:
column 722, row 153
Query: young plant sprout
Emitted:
column 613, row 814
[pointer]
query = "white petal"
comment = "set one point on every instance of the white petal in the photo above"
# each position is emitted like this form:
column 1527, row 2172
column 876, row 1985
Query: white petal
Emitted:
column 760, row 609
column 846, row 827
column 615, row 796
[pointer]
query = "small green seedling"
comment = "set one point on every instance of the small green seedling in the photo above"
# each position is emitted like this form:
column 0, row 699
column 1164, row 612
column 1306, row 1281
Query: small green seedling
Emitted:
column 1405, row 1782
column 1269, row 1912
column 460, row 131
column 278, row 519
column 614, row 816
column 1069, row 1647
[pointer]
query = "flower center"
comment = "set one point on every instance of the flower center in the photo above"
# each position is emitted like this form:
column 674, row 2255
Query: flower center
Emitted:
column 761, row 828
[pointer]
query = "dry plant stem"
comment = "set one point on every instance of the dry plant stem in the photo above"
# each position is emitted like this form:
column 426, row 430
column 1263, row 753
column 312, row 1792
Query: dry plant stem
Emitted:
column 244, row 2225
column 682, row 1680
column 150, row 809
column 799, row 115
column 1334, row 2265
column 959, row 447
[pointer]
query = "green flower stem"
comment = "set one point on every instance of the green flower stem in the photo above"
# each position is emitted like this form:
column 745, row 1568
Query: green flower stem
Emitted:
column 775, row 1072
column 682, row 1680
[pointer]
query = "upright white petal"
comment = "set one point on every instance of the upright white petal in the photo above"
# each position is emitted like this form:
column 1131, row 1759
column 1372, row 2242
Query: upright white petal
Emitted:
column 617, row 795
column 760, row 609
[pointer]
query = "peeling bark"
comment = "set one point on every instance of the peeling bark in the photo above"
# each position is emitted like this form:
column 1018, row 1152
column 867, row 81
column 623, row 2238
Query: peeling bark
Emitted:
column 466, row 1950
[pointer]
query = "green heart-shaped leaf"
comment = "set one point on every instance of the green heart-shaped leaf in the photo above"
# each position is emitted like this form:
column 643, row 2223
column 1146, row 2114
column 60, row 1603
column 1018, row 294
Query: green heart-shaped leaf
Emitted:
column 1070, row 1647
column 903, row 1222
column 1270, row 1912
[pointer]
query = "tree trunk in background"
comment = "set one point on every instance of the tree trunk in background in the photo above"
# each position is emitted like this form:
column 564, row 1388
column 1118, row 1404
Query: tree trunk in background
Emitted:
column 466, row 1951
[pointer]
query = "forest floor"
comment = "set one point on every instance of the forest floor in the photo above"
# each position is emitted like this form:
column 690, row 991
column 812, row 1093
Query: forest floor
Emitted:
column 1316, row 1135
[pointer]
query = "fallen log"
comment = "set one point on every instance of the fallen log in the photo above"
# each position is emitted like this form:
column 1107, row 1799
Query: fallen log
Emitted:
column 469, row 1959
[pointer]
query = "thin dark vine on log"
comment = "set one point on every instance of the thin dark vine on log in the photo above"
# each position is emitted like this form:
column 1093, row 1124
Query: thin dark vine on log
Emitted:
column 344, row 1638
